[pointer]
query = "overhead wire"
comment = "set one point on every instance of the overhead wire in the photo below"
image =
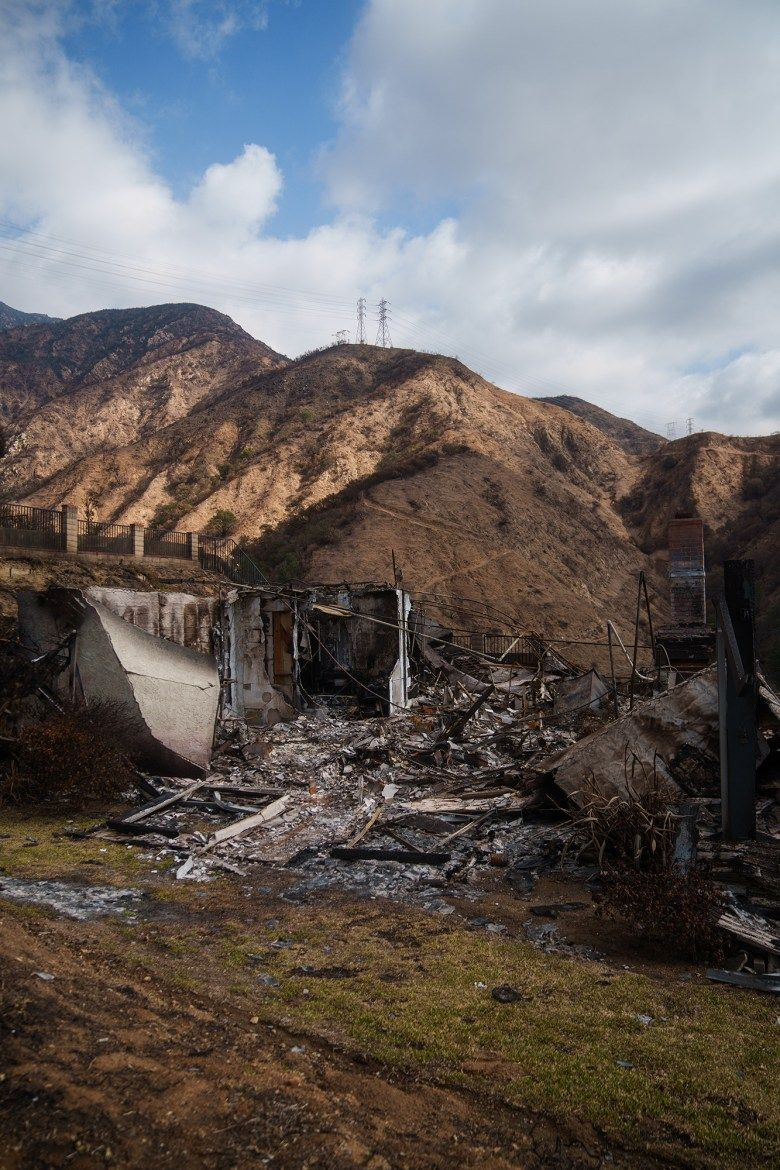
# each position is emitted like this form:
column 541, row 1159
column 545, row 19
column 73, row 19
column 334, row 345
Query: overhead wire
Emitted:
column 278, row 300
column 104, row 275
column 88, row 251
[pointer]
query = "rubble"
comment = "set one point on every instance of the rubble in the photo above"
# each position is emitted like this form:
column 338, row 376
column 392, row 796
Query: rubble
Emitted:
column 79, row 902
column 653, row 739
column 355, row 752
column 386, row 806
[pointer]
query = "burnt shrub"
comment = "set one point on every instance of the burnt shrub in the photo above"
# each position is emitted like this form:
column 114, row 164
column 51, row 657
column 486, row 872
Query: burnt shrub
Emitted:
column 634, row 836
column 637, row 830
column 70, row 757
column 167, row 515
column 673, row 908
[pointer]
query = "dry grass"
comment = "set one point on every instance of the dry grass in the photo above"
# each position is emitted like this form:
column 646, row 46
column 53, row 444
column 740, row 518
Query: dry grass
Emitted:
column 699, row 1089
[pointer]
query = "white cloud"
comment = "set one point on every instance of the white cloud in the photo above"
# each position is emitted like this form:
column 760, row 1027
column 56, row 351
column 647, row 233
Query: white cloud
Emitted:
column 613, row 167
column 612, row 224
column 241, row 195
column 200, row 27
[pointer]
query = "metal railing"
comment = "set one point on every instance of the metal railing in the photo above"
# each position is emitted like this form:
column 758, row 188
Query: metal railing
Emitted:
column 224, row 555
column 94, row 536
column 166, row 544
column 28, row 527
column 520, row 648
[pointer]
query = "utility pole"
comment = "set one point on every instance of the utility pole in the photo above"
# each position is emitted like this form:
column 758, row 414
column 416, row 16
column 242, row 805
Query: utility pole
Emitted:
column 737, row 694
column 383, row 332
column 360, row 337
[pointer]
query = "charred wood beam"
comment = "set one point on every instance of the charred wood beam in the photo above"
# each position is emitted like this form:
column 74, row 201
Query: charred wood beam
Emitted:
column 406, row 856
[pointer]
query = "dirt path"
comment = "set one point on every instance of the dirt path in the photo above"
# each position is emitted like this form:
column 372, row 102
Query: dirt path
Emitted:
column 410, row 518
column 464, row 570
column 253, row 1020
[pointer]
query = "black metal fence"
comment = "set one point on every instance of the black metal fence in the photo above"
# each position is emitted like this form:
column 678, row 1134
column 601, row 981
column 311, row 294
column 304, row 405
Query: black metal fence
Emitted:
column 94, row 536
column 166, row 544
column 27, row 527
column 525, row 649
column 226, row 556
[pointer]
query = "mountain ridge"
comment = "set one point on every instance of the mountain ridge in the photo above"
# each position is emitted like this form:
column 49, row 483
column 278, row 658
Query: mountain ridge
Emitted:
column 635, row 440
column 334, row 462
column 101, row 379
column 11, row 318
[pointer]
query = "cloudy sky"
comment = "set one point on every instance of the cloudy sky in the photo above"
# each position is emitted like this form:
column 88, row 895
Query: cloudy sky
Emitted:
column 572, row 196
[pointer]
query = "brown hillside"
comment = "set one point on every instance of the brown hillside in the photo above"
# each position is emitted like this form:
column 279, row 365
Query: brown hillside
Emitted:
column 481, row 493
column 101, row 380
column 634, row 440
column 333, row 462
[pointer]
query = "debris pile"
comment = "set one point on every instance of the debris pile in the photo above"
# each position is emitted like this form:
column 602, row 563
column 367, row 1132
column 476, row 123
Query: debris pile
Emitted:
column 407, row 806
column 406, row 765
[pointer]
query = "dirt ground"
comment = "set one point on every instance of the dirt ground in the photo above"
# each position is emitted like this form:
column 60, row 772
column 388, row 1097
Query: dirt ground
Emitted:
column 190, row 1033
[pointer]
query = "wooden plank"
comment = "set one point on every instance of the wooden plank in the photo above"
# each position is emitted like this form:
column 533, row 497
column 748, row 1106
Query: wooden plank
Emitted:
column 239, row 827
column 467, row 828
column 452, row 804
column 770, row 983
column 751, row 929
column 220, row 806
column 159, row 805
column 366, row 827
column 456, row 726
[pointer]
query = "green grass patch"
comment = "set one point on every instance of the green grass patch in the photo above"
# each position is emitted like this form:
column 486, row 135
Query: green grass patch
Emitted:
column 702, row 1086
column 37, row 847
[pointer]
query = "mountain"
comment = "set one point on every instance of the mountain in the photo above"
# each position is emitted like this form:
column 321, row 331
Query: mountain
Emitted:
column 627, row 434
column 734, row 485
column 510, row 511
column 16, row 319
column 101, row 380
column 480, row 493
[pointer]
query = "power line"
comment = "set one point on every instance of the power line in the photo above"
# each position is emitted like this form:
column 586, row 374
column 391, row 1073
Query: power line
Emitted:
column 45, row 245
column 103, row 269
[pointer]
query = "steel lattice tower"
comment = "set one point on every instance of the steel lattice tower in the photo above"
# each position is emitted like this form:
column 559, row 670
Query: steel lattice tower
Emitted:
column 383, row 332
column 360, row 337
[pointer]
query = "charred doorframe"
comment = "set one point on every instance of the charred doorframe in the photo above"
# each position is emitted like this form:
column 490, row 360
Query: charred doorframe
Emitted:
column 251, row 627
column 358, row 644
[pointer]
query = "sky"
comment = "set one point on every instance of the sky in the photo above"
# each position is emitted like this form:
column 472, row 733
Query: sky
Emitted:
column 571, row 196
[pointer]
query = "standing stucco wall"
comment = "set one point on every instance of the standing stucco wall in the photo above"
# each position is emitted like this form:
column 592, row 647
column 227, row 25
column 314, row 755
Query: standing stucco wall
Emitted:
column 179, row 617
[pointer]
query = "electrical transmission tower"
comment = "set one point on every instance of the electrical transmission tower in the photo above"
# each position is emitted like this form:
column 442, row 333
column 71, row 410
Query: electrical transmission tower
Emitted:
column 342, row 337
column 360, row 337
column 383, row 332
column 671, row 430
column 689, row 425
